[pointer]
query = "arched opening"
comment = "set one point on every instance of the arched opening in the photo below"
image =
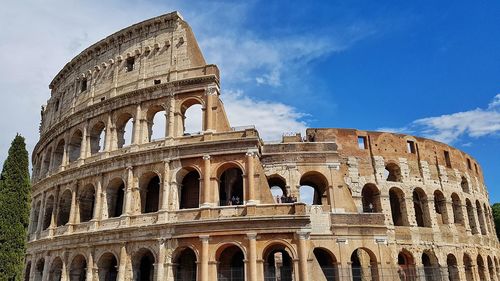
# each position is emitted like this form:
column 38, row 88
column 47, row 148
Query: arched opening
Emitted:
column 465, row 185
column 143, row 266
column 453, row 273
column 231, row 187
column 64, row 208
column 27, row 272
column 78, row 269
column 407, row 270
column 190, row 190
column 39, row 270
column 55, row 273
column 371, row 199
column 430, row 262
column 192, row 117
column 421, row 208
column 470, row 215
column 440, row 207
column 277, row 184
column 398, row 207
column 487, row 218
column 458, row 216
column 328, row 264
column 491, row 268
column 278, row 265
column 59, row 154
column 150, row 192
column 36, row 215
column 74, row 146
column 46, row 162
column 185, row 268
column 97, row 137
column 469, row 273
column 157, row 122
column 363, row 265
column 49, row 209
column 319, row 185
column 115, row 194
column 231, row 264
column 480, row 268
column 124, row 127
column 306, row 195
column 393, row 172
column 480, row 216
column 86, row 202
column 107, row 267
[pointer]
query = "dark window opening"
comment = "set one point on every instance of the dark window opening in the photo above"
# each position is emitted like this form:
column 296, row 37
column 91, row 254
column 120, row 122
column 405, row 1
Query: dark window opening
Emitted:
column 469, row 164
column 475, row 168
column 83, row 85
column 362, row 143
column 157, row 81
column 130, row 64
column 447, row 159
column 411, row 147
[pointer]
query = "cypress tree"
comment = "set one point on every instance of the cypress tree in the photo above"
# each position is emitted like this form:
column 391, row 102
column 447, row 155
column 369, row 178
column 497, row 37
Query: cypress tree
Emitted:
column 14, row 210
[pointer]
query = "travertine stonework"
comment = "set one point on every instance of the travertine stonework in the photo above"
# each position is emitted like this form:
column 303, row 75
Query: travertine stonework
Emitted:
column 111, row 203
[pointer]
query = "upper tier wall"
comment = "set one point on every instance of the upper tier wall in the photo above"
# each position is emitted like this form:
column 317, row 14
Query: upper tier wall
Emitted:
column 158, row 50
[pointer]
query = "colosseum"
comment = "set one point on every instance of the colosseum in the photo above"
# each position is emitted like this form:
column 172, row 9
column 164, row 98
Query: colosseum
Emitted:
column 122, row 191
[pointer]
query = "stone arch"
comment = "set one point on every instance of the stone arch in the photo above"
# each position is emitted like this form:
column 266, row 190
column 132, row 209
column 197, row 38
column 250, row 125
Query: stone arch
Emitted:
column 364, row 265
column 156, row 119
column 107, row 267
column 487, row 217
column 59, row 153
column 453, row 272
column 75, row 145
column 189, row 195
column 393, row 172
column 432, row 272
column 86, row 201
column 64, row 208
column 440, row 207
column 465, row 185
column 470, row 215
column 468, row 267
column 407, row 267
column 40, row 264
column 191, row 112
column 491, row 268
column 398, row 207
column 49, row 209
column 481, row 269
column 328, row 263
column 46, row 162
column 370, row 195
column 278, row 262
column 458, row 216
column 124, row 129
column 115, row 196
column 231, row 184
column 78, row 268
column 36, row 215
column 143, row 265
column 149, row 185
column 421, row 207
column 230, row 262
column 97, row 137
column 56, row 268
column 27, row 272
column 185, row 264
column 480, row 216
column 277, row 185
column 319, row 184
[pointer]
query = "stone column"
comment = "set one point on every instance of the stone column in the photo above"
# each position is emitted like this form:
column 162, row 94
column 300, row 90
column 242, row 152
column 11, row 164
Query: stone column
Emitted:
column 209, row 94
column 165, row 186
column 129, row 190
column 40, row 215
column 64, row 270
column 171, row 117
column 122, row 267
column 160, row 272
column 83, row 146
column 98, row 200
column 204, row 258
column 252, row 256
column 206, row 181
column 250, row 178
column 136, row 138
column 303, row 236
column 73, row 209
column 64, row 161
column 33, row 268
column 109, row 134
column 46, row 267
column 90, row 267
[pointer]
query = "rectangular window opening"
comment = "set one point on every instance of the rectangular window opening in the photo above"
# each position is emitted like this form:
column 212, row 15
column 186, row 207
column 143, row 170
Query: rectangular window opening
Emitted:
column 411, row 146
column 469, row 164
column 475, row 167
column 130, row 64
column 362, row 143
column 447, row 158
column 157, row 81
column 83, row 85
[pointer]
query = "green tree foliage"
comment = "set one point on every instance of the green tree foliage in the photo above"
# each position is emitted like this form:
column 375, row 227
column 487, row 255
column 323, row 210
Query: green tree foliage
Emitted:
column 496, row 217
column 14, row 210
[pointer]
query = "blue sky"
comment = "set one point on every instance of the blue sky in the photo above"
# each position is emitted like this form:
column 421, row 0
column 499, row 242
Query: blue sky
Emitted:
column 429, row 68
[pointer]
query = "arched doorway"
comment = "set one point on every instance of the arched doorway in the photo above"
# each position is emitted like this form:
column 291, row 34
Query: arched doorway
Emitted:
column 370, row 195
column 27, row 272
column 64, row 208
column 78, row 269
column 55, row 273
column 319, row 185
column 458, row 216
column 185, row 267
column 143, row 265
column 465, row 185
column 124, row 128
column 453, row 273
column 115, row 193
column 97, row 137
column 49, row 209
column 107, row 267
column 86, row 203
column 150, row 192
column 432, row 271
column 231, row 266
column 74, row 146
column 36, row 215
column 157, row 120
column 398, row 207
column 393, row 172
column 277, row 184
column 421, row 208
column 39, row 270
column 192, row 117
column 231, row 187
column 278, row 265
column 364, row 265
column 407, row 267
column 480, row 216
column 440, row 207
column 190, row 190
column 472, row 218
column 469, row 273
column 328, row 264
column 481, row 268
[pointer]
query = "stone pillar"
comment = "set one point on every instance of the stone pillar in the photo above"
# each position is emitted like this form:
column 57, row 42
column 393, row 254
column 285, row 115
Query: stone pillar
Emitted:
column 303, row 236
column 98, row 200
column 90, row 266
column 122, row 267
column 73, row 209
column 204, row 258
column 160, row 272
column 33, row 268
column 128, row 191
column 64, row 161
column 46, row 267
column 250, row 178
column 171, row 118
column 40, row 215
column 209, row 94
column 166, row 185
column 252, row 257
column 64, row 270
column 206, row 181
column 109, row 134
column 136, row 132
column 83, row 146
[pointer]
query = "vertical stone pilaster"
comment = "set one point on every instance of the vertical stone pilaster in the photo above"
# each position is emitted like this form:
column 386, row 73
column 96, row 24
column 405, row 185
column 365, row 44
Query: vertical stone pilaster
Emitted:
column 204, row 258
column 206, row 181
column 252, row 256
column 122, row 267
column 250, row 178
column 302, row 237
column 136, row 132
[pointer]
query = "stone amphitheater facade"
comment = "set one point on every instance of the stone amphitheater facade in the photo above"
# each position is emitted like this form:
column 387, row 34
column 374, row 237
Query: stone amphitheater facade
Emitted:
column 110, row 202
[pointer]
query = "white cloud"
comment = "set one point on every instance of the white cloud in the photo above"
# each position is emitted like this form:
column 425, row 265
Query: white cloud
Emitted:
column 495, row 103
